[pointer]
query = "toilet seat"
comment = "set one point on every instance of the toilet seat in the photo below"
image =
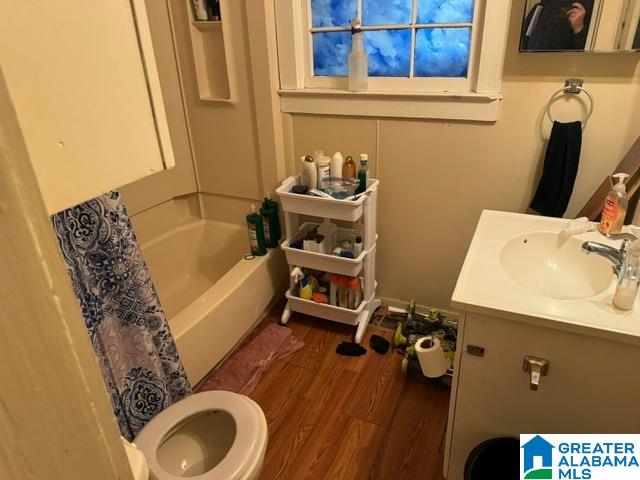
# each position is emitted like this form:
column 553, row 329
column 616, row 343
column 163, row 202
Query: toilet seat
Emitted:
column 248, row 446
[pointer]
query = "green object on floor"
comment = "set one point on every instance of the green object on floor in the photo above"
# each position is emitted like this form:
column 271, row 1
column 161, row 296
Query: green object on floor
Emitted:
column 399, row 339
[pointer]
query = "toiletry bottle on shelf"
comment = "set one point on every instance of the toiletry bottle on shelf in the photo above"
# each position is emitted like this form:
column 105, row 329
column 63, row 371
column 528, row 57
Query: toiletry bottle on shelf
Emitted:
column 628, row 279
column 256, row 233
column 304, row 285
column 615, row 207
column 363, row 173
column 200, row 10
column 330, row 232
column 309, row 172
column 324, row 170
column 358, row 64
column 336, row 164
column 355, row 293
column 214, row 9
column 343, row 292
column 334, row 286
column 270, row 221
column 349, row 169
column 357, row 246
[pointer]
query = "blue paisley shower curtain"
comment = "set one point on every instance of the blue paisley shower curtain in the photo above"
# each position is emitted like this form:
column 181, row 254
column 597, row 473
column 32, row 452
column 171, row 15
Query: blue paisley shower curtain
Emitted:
column 126, row 324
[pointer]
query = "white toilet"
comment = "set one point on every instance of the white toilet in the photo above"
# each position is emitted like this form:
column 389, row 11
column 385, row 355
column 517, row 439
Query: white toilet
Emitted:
column 213, row 435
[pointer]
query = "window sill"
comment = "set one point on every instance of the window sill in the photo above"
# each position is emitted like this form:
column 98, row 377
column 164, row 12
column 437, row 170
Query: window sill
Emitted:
column 437, row 105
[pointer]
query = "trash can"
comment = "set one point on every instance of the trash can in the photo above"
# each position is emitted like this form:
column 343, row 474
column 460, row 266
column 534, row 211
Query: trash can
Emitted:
column 495, row 459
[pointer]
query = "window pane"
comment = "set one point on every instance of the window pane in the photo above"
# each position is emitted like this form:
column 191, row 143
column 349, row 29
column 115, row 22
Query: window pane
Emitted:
column 442, row 52
column 389, row 52
column 386, row 12
column 331, row 53
column 328, row 13
column 445, row 11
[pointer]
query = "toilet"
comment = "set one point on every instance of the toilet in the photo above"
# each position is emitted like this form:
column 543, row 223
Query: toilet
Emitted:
column 214, row 435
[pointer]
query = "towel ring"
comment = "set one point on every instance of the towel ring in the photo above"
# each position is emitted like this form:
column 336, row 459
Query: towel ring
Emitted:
column 571, row 86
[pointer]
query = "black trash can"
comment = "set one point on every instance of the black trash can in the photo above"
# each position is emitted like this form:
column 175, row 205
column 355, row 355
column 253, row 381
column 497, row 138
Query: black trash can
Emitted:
column 494, row 459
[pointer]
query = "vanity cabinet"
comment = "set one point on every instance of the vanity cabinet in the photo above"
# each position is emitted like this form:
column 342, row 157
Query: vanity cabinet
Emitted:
column 82, row 78
column 591, row 386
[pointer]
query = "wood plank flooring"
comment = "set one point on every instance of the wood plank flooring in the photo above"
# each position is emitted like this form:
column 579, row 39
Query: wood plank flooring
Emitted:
column 333, row 417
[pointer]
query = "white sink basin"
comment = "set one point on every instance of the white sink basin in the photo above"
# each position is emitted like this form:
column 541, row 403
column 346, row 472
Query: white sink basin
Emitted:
column 554, row 266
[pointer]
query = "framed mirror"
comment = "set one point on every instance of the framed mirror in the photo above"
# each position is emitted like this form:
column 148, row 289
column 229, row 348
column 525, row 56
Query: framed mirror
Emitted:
column 580, row 26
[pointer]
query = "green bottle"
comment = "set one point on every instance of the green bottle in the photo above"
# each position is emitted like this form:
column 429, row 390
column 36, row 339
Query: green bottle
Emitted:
column 270, row 221
column 256, row 233
column 363, row 173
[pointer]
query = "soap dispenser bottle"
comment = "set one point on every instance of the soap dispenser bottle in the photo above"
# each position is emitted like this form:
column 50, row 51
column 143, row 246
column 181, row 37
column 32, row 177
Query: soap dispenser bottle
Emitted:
column 358, row 63
column 614, row 209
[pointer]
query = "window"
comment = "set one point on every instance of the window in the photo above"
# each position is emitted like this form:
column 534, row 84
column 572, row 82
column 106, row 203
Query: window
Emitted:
column 427, row 58
column 403, row 38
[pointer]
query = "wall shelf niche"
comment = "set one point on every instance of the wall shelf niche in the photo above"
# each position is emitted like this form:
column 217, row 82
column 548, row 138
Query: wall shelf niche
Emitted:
column 210, row 41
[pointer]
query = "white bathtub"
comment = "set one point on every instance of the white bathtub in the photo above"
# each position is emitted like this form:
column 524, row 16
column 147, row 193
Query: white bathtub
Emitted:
column 212, row 296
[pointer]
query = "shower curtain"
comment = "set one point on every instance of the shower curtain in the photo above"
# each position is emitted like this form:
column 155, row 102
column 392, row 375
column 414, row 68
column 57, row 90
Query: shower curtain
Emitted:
column 127, row 326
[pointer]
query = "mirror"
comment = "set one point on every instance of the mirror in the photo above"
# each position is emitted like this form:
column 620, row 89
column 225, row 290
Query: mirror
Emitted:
column 580, row 25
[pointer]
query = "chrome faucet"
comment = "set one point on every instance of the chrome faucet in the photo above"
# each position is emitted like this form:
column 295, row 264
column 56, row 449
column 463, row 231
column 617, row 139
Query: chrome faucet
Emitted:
column 615, row 255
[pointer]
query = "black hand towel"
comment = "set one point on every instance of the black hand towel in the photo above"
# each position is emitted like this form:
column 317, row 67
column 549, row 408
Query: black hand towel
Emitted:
column 559, row 171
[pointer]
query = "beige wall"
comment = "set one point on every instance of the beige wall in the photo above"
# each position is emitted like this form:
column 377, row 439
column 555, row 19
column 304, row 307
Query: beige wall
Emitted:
column 436, row 177
column 180, row 180
column 223, row 134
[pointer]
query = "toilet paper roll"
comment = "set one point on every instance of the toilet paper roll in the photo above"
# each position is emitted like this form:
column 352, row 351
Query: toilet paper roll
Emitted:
column 431, row 357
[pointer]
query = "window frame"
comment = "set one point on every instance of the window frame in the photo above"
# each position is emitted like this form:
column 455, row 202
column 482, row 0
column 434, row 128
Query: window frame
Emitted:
column 473, row 98
column 403, row 84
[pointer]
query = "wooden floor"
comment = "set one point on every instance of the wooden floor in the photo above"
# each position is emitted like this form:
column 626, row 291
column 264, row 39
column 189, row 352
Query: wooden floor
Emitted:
column 336, row 417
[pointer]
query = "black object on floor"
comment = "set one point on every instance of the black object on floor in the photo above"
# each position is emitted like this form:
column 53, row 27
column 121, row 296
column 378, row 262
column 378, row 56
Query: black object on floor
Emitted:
column 351, row 349
column 560, row 170
column 497, row 459
column 379, row 344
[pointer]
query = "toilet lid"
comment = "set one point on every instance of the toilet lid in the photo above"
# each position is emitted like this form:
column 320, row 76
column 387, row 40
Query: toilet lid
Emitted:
column 251, row 429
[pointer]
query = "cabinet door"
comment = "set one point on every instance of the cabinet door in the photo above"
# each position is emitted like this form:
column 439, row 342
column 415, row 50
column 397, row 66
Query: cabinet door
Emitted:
column 591, row 386
column 83, row 81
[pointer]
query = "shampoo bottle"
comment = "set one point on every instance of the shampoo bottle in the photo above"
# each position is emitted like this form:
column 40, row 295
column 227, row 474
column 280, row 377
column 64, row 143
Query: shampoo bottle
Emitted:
column 309, row 172
column 336, row 164
column 270, row 221
column 324, row 170
column 614, row 209
column 200, row 10
column 363, row 173
column 358, row 64
column 256, row 233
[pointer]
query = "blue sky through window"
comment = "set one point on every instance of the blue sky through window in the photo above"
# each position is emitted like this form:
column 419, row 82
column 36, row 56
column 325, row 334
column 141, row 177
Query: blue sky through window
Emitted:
column 332, row 13
column 386, row 12
column 445, row 11
column 331, row 53
column 437, row 52
column 442, row 52
column 389, row 52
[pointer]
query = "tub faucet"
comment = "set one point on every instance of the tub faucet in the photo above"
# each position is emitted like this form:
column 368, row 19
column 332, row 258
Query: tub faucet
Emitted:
column 615, row 255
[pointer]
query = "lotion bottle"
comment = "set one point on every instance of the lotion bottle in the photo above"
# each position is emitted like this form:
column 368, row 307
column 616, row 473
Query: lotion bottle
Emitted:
column 336, row 164
column 309, row 172
column 358, row 64
column 614, row 209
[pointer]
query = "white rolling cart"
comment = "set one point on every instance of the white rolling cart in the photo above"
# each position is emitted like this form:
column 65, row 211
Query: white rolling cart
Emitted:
column 364, row 207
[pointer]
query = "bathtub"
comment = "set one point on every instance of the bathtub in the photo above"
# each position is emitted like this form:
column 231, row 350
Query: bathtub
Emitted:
column 211, row 294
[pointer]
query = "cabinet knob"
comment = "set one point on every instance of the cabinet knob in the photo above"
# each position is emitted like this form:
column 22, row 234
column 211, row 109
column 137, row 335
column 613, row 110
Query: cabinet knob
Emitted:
column 536, row 367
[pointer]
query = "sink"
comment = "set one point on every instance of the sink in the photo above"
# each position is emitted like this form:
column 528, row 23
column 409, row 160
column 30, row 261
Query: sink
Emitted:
column 554, row 266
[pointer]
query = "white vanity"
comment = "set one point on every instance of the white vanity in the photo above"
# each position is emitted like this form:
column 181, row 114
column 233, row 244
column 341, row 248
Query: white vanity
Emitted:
column 525, row 290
